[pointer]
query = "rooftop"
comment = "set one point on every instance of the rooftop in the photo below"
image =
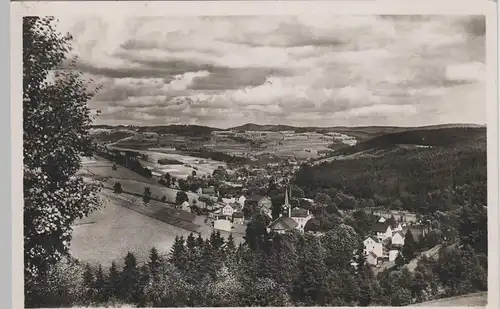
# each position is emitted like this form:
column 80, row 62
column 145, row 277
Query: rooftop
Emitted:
column 283, row 223
column 378, row 227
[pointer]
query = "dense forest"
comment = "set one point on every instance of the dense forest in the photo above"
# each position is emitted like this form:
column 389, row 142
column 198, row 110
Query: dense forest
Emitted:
column 422, row 180
column 291, row 269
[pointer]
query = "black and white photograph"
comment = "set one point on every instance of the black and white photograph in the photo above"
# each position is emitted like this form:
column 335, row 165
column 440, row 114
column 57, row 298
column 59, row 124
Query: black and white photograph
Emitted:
column 255, row 160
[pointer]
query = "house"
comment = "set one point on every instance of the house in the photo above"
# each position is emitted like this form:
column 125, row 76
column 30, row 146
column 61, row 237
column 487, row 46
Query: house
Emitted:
column 223, row 224
column 265, row 202
column 238, row 217
column 381, row 230
column 372, row 244
column 185, row 206
column 199, row 191
column 241, row 200
column 372, row 259
column 397, row 227
column 266, row 211
column 393, row 254
column 282, row 224
column 301, row 216
column 210, row 191
column 398, row 238
column 228, row 200
column 381, row 220
column 228, row 211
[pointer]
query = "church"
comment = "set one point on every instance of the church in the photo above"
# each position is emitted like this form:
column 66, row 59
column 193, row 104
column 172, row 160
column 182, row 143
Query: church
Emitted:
column 295, row 218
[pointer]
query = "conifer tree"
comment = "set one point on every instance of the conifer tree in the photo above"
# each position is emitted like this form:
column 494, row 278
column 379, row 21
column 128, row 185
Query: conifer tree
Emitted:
column 129, row 283
column 178, row 253
column 88, row 282
column 400, row 261
column 100, row 284
column 190, row 242
column 199, row 241
column 113, row 283
column 154, row 263
column 409, row 247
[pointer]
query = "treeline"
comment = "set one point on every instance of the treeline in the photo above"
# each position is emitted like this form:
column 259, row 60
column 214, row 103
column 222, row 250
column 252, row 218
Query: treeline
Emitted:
column 128, row 159
column 290, row 269
column 205, row 153
column 421, row 181
column 181, row 130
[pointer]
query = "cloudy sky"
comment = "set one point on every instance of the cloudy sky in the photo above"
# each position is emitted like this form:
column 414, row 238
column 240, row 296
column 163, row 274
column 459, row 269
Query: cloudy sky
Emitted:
column 297, row 70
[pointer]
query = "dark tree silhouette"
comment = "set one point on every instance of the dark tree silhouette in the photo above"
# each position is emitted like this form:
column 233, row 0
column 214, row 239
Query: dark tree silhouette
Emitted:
column 56, row 123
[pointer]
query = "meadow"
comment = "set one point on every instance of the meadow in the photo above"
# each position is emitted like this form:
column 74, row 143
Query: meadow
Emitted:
column 109, row 233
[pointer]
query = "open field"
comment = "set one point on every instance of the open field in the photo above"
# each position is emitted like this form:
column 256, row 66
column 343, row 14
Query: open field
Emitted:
column 131, row 182
column 112, row 231
column 157, row 191
column 125, row 224
column 109, row 233
column 199, row 165
column 280, row 143
column 101, row 168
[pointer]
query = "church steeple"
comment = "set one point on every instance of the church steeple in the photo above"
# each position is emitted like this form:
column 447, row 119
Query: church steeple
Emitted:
column 287, row 204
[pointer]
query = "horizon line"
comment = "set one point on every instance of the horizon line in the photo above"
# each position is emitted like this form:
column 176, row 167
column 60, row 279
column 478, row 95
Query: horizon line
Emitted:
column 293, row 126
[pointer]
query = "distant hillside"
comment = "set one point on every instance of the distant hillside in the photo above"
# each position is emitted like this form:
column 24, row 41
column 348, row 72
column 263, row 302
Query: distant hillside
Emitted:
column 263, row 127
column 180, row 129
column 422, row 137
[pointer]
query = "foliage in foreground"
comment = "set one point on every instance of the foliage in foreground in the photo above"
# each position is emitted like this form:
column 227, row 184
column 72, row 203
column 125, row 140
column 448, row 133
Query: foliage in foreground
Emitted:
column 56, row 123
column 280, row 270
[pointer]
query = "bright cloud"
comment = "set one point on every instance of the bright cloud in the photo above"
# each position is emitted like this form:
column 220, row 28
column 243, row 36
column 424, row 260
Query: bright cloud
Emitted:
column 303, row 70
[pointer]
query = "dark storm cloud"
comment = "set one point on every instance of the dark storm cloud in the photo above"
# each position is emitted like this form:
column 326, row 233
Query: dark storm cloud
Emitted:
column 235, row 78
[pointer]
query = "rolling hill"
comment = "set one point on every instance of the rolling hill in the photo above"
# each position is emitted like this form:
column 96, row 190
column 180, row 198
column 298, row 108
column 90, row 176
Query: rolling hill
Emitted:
column 434, row 137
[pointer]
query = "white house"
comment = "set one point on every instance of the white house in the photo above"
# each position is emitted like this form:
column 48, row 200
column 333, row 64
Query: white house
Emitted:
column 185, row 206
column 242, row 200
column 398, row 238
column 393, row 254
column 199, row 191
column 398, row 228
column 372, row 244
column 372, row 259
column 381, row 230
column 381, row 220
column 228, row 211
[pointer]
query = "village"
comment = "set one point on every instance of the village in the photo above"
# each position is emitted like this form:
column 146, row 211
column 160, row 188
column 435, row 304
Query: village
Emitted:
column 381, row 248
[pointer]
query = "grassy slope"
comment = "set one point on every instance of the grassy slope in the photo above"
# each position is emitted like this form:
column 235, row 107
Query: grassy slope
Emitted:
column 114, row 230
column 478, row 299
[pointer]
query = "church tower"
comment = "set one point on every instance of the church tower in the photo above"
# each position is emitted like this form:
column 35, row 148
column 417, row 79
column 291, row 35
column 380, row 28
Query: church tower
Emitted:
column 287, row 203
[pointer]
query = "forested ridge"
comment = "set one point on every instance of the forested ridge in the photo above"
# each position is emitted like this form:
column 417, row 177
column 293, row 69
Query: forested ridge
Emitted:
column 422, row 180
